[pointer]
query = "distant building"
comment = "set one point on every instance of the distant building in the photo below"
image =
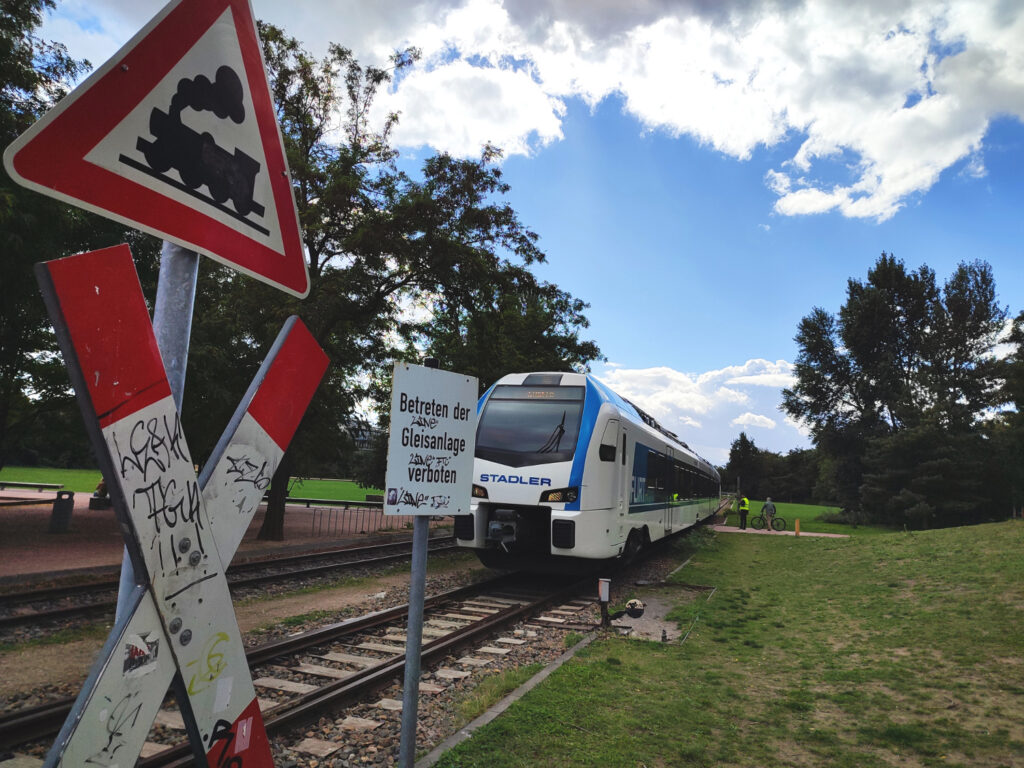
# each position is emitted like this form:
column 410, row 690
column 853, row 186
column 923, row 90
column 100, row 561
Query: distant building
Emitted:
column 362, row 432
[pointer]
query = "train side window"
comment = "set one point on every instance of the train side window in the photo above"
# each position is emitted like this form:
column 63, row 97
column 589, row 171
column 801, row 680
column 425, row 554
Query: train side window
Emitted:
column 623, row 449
column 606, row 451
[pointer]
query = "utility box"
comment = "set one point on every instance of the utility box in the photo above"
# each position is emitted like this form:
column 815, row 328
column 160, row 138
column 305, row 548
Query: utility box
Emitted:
column 63, row 506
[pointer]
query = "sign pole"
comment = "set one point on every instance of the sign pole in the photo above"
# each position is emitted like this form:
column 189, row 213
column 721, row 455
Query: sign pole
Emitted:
column 172, row 325
column 414, row 641
column 414, row 634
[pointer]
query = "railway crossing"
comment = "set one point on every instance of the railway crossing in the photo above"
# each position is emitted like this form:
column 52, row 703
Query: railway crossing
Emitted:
column 180, row 531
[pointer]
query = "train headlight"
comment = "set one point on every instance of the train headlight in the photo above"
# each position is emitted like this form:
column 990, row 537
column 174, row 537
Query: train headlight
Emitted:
column 479, row 492
column 560, row 495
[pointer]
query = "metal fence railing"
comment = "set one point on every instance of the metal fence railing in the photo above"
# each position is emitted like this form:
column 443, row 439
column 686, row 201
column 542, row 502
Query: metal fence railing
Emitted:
column 360, row 518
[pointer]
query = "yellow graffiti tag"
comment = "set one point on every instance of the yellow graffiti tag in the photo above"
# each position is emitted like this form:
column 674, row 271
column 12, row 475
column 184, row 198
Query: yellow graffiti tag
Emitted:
column 212, row 662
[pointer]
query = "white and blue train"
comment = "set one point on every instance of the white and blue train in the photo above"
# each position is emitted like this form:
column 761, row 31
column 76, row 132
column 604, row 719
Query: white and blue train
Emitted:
column 566, row 469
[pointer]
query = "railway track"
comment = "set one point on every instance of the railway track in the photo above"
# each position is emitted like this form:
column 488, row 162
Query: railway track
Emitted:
column 38, row 606
column 321, row 672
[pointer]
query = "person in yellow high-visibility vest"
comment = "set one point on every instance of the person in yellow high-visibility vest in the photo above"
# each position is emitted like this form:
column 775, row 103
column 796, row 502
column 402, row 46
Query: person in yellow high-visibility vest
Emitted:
column 744, row 508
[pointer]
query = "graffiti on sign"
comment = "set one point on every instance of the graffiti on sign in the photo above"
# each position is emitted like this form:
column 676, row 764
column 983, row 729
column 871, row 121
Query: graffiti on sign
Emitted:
column 181, row 617
column 147, row 453
column 117, row 721
column 430, row 447
column 245, row 471
column 209, row 666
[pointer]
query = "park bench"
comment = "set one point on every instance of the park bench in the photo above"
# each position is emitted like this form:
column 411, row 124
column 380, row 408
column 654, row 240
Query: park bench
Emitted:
column 40, row 487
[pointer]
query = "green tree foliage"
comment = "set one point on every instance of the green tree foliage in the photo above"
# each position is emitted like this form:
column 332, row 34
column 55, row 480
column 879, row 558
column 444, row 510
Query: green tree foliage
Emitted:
column 894, row 390
column 39, row 421
column 380, row 244
column 517, row 324
column 1008, row 430
column 743, row 470
column 760, row 473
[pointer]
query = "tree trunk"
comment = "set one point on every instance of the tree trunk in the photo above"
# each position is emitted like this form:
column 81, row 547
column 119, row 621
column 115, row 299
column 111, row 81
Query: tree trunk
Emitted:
column 273, row 522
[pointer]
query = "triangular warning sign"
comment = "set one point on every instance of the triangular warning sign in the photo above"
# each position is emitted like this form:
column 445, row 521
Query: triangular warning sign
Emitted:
column 177, row 135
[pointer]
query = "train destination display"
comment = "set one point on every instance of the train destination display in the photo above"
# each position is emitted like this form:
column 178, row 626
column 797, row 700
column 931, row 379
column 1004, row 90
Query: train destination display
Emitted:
column 430, row 447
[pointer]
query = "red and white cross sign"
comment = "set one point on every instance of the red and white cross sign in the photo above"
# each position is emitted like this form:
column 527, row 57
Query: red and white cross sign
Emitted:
column 180, row 532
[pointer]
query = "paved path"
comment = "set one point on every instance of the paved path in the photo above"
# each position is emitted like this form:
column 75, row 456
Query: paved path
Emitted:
column 734, row 529
column 95, row 540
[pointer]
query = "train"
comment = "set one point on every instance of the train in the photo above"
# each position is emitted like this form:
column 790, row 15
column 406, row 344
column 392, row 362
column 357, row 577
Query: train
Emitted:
column 568, row 472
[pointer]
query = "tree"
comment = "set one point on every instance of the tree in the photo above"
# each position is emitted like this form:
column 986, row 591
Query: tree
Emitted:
column 517, row 324
column 927, row 476
column 378, row 242
column 1008, row 430
column 760, row 473
column 902, row 356
column 743, row 469
column 34, row 388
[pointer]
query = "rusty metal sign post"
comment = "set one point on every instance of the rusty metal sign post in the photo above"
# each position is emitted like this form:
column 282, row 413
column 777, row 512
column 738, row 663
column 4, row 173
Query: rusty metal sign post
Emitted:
column 180, row 531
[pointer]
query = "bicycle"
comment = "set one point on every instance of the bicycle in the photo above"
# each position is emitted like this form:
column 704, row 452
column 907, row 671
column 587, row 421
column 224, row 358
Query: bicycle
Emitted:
column 761, row 522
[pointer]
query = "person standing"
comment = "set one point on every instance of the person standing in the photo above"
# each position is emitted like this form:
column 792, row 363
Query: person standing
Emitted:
column 768, row 513
column 744, row 508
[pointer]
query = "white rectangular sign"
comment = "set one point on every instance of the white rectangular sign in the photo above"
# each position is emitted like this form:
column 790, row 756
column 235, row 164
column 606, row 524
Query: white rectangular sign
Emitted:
column 431, row 444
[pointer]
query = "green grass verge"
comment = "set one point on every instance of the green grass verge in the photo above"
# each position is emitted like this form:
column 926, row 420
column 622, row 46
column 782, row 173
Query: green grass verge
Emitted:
column 493, row 689
column 86, row 480
column 77, row 480
column 336, row 490
column 59, row 637
column 809, row 516
column 884, row 650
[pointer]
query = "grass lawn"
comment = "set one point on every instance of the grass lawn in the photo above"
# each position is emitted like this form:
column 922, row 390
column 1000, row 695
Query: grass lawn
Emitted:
column 899, row 649
column 77, row 480
column 85, row 480
column 339, row 490
column 809, row 517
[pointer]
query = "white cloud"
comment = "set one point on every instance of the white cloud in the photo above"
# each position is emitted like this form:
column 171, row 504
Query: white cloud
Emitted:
column 459, row 108
column 749, row 419
column 706, row 409
column 885, row 96
column 882, row 98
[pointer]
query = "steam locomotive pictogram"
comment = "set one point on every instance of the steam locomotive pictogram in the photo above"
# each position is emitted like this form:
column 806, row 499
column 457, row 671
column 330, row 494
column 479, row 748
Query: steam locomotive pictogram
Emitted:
column 196, row 156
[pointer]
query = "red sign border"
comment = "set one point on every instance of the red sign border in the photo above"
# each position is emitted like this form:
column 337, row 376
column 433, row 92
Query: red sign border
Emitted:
column 50, row 156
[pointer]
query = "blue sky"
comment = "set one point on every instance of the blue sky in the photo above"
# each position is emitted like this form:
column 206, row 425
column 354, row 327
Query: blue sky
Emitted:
column 703, row 174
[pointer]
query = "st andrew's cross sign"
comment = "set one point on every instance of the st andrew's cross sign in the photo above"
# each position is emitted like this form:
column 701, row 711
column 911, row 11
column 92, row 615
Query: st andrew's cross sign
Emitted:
column 177, row 135
column 181, row 532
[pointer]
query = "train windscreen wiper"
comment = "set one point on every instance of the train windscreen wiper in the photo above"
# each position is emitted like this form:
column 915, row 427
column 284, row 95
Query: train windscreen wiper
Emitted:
column 555, row 439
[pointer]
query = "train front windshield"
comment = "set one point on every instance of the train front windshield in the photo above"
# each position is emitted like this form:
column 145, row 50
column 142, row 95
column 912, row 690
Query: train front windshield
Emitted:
column 522, row 425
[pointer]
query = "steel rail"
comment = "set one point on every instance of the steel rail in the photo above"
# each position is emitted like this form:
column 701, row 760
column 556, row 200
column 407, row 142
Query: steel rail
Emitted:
column 14, row 620
column 70, row 590
column 309, row 707
column 29, row 724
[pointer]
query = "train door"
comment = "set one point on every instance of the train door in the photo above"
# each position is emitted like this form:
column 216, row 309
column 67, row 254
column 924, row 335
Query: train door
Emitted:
column 670, row 490
column 621, row 486
column 609, row 484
